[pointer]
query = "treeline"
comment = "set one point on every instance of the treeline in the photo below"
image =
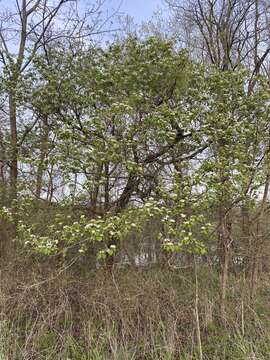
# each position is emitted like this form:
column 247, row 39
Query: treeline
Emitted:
column 144, row 165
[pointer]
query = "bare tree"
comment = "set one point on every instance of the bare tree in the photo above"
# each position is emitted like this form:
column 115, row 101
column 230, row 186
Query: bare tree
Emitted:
column 225, row 33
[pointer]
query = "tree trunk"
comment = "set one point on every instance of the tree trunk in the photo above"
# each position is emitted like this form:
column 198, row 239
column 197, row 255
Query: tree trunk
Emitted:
column 258, row 245
column 225, row 245
column 14, row 147
column 43, row 153
column 224, row 282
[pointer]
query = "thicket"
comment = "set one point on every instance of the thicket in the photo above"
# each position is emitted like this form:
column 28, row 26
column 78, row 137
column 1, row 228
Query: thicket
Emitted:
column 134, row 178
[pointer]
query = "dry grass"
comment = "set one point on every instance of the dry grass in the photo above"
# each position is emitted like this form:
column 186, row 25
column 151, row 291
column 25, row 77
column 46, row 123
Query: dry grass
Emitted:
column 131, row 313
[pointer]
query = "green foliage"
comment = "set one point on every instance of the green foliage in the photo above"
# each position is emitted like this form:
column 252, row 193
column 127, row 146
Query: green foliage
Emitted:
column 6, row 214
column 84, row 233
column 130, row 113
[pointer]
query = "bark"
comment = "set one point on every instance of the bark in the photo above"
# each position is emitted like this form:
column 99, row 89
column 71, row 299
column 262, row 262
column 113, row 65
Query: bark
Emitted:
column 258, row 246
column 43, row 154
column 96, row 191
column 14, row 147
column 16, row 69
column 225, row 244
column 3, row 160
column 246, row 238
column 107, row 188
column 50, row 190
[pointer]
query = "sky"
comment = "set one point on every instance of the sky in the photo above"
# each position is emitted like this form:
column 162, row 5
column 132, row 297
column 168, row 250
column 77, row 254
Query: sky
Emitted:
column 140, row 10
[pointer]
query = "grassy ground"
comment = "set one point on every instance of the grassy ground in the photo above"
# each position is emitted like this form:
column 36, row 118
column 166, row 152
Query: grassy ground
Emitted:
column 131, row 313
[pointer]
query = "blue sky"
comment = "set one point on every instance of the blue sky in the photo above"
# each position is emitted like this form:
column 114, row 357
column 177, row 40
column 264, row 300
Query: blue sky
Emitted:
column 140, row 10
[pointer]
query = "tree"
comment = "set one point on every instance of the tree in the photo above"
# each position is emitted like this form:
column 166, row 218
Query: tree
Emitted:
column 129, row 128
column 227, row 34
column 34, row 26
